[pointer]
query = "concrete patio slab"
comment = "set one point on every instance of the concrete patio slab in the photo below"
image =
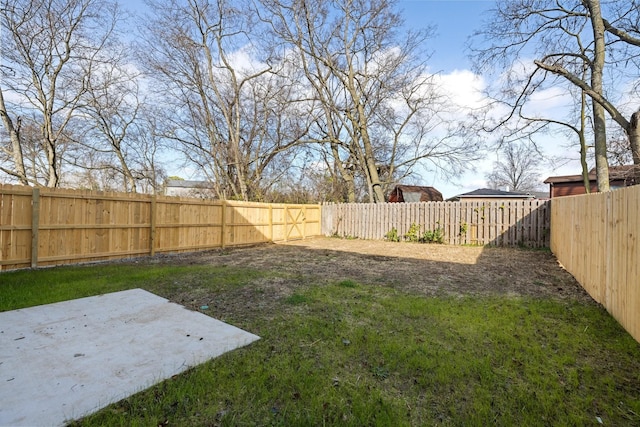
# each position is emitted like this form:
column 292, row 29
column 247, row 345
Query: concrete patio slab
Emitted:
column 62, row 361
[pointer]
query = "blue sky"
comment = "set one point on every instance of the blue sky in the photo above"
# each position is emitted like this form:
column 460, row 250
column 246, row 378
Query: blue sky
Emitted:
column 455, row 20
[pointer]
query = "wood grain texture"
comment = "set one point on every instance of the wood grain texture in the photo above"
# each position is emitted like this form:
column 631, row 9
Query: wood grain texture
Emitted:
column 61, row 226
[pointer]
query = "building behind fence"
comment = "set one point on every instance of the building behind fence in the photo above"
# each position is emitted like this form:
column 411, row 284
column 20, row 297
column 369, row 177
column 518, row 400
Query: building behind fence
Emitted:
column 500, row 223
column 595, row 237
column 43, row 226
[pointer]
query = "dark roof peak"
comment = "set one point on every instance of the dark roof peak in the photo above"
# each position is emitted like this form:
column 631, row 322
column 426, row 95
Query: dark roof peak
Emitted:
column 492, row 192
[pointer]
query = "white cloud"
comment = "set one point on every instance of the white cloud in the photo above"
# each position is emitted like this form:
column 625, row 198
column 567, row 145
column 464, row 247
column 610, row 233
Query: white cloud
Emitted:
column 245, row 59
column 551, row 102
column 465, row 91
column 463, row 87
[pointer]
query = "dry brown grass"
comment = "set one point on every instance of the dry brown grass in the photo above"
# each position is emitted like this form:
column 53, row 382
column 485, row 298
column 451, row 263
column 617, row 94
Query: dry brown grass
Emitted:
column 435, row 270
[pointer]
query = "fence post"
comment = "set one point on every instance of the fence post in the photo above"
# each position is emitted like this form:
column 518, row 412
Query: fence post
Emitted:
column 270, row 223
column 304, row 222
column 35, row 225
column 608, row 263
column 223, row 227
column 152, row 232
column 286, row 225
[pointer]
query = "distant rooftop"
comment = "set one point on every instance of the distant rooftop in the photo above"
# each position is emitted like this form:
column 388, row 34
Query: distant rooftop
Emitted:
column 615, row 172
column 183, row 183
column 414, row 194
column 485, row 193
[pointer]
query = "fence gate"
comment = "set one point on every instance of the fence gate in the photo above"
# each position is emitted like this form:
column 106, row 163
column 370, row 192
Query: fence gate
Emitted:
column 295, row 220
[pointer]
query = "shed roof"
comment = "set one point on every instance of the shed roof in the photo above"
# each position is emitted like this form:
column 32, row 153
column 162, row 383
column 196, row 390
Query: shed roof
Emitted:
column 417, row 193
column 615, row 172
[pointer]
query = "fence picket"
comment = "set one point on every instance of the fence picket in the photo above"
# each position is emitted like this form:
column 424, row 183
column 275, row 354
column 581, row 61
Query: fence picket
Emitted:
column 501, row 223
column 595, row 238
column 73, row 226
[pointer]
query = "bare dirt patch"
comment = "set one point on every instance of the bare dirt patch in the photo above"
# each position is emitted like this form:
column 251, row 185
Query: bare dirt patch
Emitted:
column 434, row 270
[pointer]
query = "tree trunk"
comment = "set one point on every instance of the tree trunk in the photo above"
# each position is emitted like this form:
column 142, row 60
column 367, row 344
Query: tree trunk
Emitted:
column 583, row 144
column 346, row 175
column 599, row 119
column 634, row 142
column 129, row 180
column 53, row 178
column 634, row 137
column 241, row 176
column 583, row 162
column 372, row 169
column 376, row 185
column 16, row 146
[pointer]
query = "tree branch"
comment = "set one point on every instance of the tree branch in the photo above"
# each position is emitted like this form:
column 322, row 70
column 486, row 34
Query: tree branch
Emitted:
column 561, row 71
column 621, row 34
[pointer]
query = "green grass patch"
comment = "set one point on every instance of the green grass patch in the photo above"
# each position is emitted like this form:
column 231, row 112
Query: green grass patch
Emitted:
column 348, row 284
column 358, row 354
column 26, row 288
column 297, row 299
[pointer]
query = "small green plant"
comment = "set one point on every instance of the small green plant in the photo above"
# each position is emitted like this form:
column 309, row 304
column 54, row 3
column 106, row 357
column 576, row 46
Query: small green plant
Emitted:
column 413, row 234
column 392, row 235
column 463, row 228
column 433, row 236
column 380, row 372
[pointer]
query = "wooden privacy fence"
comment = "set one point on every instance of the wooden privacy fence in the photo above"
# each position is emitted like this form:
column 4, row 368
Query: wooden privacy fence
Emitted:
column 42, row 226
column 595, row 237
column 501, row 222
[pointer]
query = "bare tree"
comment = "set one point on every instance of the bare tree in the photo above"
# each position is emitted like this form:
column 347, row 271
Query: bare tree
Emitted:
column 120, row 149
column 517, row 169
column 376, row 102
column 50, row 49
column 231, row 111
column 111, row 107
column 529, row 126
column 571, row 40
column 150, row 148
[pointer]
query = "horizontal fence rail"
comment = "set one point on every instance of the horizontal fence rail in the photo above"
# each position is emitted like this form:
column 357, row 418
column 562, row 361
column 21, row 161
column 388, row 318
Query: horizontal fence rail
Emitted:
column 42, row 226
column 500, row 223
column 595, row 237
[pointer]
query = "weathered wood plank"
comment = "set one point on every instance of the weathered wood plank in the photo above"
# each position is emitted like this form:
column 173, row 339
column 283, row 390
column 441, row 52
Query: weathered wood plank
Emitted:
column 501, row 223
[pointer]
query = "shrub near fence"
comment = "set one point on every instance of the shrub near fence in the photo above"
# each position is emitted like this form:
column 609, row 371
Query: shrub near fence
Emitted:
column 43, row 226
column 595, row 237
column 500, row 223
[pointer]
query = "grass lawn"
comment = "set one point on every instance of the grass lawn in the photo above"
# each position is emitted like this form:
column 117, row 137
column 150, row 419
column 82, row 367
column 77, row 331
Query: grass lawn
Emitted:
column 350, row 352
